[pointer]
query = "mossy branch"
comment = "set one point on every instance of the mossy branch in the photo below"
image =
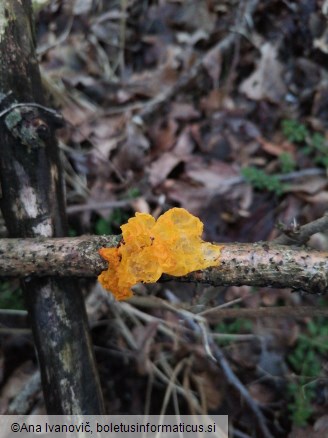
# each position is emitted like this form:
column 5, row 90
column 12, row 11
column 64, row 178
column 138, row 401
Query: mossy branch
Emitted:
column 257, row 264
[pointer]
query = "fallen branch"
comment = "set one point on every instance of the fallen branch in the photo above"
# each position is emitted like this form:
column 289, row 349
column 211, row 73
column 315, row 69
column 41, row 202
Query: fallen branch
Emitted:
column 258, row 264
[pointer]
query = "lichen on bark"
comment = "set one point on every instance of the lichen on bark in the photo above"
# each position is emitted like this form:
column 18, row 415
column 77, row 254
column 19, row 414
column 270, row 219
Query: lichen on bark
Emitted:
column 6, row 14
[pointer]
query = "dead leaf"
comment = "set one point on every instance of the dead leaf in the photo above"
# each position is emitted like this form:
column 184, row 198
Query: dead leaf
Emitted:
column 141, row 205
column 322, row 42
column 245, row 354
column 161, row 168
column 131, row 154
column 320, row 102
column 189, row 196
column 75, row 114
column 185, row 144
column 212, row 62
column 215, row 100
column 15, row 383
column 321, row 425
column 319, row 198
column 276, row 149
column 215, row 176
column 261, row 393
column 306, row 432
column 162, row 134
column 310, row 186
column 208, row 390
column 266, row 81
column 184, row 112
column 319, row 241
column 194, row 15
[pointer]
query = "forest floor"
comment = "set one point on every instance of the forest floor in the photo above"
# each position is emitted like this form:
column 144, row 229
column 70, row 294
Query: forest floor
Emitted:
column 219, row 107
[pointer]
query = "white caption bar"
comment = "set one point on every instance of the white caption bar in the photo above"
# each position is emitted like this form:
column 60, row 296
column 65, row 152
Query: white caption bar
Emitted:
column 98, row 426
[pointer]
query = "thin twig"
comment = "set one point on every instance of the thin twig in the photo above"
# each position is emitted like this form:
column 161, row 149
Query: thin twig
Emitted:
column 72, row 209
column 300, row 235
column 266, row 312
column 32, row 105
column 213, row 352
column 237, row 384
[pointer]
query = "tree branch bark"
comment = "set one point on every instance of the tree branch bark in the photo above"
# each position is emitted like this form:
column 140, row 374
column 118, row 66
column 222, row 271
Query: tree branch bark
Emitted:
column 33, row 204
column 258, row 264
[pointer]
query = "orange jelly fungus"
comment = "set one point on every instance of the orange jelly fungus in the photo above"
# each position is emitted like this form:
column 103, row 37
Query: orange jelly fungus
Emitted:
column 171, row 245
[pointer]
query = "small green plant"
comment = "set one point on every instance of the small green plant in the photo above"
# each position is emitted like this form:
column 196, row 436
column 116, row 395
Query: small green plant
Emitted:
column 306, row 362
column 320, row 149
column 294, row 131
column 300, row 408
column 112, row 223
column 132, row 193
column 262, row 181
column 313, row 144
column 117, row 217
column 287, row 162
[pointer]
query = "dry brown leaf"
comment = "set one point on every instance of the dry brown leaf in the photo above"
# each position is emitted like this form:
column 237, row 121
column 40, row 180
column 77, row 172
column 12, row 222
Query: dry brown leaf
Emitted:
column 191, row 197
column 320, row 198
column 266, row 81
column 245, row 354
column 140, row 205
column 262, row 394
column 184, row 112
column 212, row 62
column 15, row 383
column 184, row 145
column 319, row 241
column 276, row 149
column 208, row 390
column 132, row 153
column 161, row 168
column 162, row 133
column 311, row 186
column 322, row 42
column 194, row 15
column 75, row 114
column 321, row 425
column 153, row 83
column 215, row 100
column 307, row 432
column 213, row 176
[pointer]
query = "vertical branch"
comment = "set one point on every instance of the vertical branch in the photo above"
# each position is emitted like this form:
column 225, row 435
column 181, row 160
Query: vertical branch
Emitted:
column 33, row 205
